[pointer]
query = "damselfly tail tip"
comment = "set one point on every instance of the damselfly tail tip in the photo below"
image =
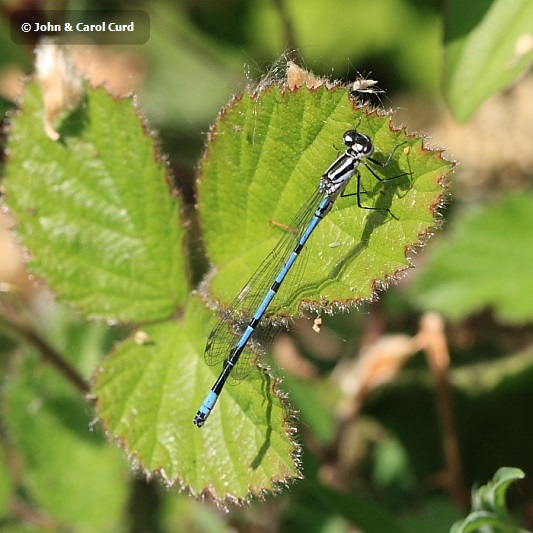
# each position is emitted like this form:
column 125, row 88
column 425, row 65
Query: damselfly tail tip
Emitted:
column 205, row 409
column 199, row 419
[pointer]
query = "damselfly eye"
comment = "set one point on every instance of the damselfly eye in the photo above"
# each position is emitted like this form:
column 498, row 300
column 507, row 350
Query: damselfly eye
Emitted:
column 359, row 142
column 350, row 137
column 364, row 145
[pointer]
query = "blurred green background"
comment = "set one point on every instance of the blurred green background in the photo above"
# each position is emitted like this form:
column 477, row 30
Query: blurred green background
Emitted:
column 391, row 459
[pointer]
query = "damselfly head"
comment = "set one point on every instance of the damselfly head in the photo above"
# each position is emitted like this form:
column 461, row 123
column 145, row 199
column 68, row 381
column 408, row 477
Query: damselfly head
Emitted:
column 358, row 142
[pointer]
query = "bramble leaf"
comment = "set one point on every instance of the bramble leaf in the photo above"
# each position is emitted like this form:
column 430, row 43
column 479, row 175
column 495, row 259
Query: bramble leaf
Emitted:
column 95, row 209
column 148, row 393
column 482, row 262
column 266, row 154
column 488, row 46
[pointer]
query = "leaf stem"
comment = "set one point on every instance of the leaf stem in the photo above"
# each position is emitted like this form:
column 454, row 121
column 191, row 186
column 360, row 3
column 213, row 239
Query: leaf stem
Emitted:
column 14, row 327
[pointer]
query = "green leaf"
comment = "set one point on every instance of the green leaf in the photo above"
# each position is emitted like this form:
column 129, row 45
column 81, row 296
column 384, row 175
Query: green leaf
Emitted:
column 488, row 506
column 476, row 522
column 488, row 46
column 67, row 471
column 147, row 395
column 491, row 497
column 95, row 209
column 265, row 157
column 5, row 483
column 480, row 262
